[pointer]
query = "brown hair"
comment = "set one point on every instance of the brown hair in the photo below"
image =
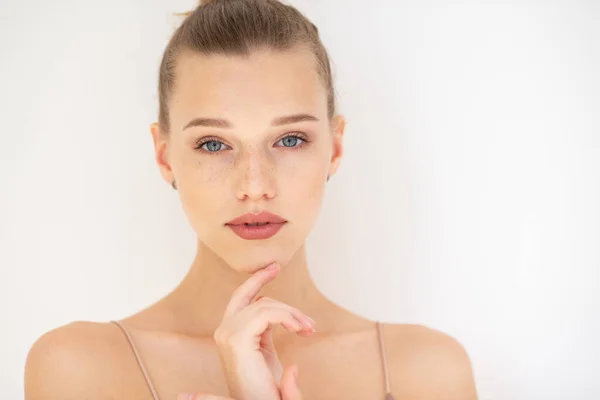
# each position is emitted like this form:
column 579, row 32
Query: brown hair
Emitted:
column 236, row 27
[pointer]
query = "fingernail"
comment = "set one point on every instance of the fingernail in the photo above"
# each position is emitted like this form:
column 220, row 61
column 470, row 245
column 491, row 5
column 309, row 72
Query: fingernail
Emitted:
column 186, row 396
column 308, row 322
column 271, row 267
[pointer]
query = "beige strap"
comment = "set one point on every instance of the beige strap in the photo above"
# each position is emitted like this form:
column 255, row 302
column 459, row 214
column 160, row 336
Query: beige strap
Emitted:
column 138, row 359
column 155, row 395
column 388, row 393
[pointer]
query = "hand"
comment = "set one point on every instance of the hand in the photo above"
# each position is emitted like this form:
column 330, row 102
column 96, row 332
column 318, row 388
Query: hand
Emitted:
column 244, row 339
column 289, row 389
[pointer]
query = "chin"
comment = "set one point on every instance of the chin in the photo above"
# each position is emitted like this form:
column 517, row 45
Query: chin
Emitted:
column 252, row 264
column 249, row 256
column 253, row 258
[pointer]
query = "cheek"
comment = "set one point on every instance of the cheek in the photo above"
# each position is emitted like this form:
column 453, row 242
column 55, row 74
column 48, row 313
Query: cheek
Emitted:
column 304, row 182
column 302, row 185
column 204, row 169
column 206, row 193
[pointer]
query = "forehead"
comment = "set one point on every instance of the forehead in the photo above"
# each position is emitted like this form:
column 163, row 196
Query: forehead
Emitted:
column 265, row 84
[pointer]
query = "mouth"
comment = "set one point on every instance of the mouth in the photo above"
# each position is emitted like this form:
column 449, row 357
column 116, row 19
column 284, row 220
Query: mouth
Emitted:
column 261, row 218
column 252, row 226
column 256, row 230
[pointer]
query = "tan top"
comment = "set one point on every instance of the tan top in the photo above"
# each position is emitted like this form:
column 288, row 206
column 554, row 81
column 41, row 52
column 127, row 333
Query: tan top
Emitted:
column 138, row 358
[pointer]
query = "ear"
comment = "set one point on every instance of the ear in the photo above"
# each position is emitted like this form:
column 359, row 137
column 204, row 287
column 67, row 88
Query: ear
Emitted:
column 338, row 124
column 161, row 155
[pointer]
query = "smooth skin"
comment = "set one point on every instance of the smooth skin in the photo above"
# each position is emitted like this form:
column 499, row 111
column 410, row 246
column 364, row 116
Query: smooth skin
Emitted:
column 213, row 334
column 245, row 341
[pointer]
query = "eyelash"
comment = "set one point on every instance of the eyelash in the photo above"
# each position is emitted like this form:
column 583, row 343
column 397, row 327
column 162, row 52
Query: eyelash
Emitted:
column 208, row 139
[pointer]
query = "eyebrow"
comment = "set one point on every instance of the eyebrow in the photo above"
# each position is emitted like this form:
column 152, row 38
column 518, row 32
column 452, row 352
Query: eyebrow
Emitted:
column 223, row 123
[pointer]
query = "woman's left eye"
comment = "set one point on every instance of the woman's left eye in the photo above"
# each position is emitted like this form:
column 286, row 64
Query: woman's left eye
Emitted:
column 291, row 141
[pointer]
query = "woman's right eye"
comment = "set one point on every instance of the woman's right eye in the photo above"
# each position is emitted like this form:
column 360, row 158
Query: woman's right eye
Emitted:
column 211, row 146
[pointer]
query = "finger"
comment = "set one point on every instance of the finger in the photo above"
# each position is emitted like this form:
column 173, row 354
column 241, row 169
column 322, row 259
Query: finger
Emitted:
column 307, row 322
column 289, row 384
column 258, row 320
column 266, row 341
column 251, row 323
column 243, row 295
column 270, row 354
column 201, row 396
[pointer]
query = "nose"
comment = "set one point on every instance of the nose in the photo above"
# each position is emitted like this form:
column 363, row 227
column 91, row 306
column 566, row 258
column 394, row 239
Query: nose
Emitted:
column 257, row 177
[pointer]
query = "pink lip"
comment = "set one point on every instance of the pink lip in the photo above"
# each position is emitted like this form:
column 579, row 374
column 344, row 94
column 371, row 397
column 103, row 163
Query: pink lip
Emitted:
column 273, row 224
column 256, row 232
column 250, row 218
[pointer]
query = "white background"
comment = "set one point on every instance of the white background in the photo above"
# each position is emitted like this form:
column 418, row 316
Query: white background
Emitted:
column 468, row 200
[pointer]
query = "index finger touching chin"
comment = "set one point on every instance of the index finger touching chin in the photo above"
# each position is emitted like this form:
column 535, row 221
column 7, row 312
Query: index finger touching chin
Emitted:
column 245, row 293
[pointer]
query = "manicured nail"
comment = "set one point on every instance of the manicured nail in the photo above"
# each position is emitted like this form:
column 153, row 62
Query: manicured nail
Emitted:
column 306, row 323
column 271, row 267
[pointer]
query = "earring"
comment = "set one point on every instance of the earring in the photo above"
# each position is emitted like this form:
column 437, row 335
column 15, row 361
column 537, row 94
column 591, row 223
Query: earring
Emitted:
column 328, row 178
column 173, row 184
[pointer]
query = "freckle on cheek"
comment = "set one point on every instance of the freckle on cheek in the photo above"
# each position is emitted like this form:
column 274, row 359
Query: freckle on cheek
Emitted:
column 214, row 173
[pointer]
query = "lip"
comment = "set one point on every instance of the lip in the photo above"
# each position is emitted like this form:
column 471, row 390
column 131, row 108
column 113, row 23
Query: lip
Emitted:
column 251, row 218
column 273, row 224
column 256, row 232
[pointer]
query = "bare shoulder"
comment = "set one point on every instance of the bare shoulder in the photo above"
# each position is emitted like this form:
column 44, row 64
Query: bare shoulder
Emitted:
column 428, row 364
column 79, row 360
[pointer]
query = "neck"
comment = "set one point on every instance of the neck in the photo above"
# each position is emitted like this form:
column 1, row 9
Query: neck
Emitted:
column 202, row 296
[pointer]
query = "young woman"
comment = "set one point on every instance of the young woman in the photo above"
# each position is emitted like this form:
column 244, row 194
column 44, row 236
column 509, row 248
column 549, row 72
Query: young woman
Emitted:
column 248, row 135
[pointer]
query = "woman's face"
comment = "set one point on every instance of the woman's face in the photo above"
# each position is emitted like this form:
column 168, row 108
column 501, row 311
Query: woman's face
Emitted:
column 253, row 159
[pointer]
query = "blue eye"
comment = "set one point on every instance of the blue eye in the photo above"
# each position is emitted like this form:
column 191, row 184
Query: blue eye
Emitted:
column 291, row 141
column 213, row 146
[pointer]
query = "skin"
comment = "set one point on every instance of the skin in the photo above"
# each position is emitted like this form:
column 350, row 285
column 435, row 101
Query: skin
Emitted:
column 185, row 337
